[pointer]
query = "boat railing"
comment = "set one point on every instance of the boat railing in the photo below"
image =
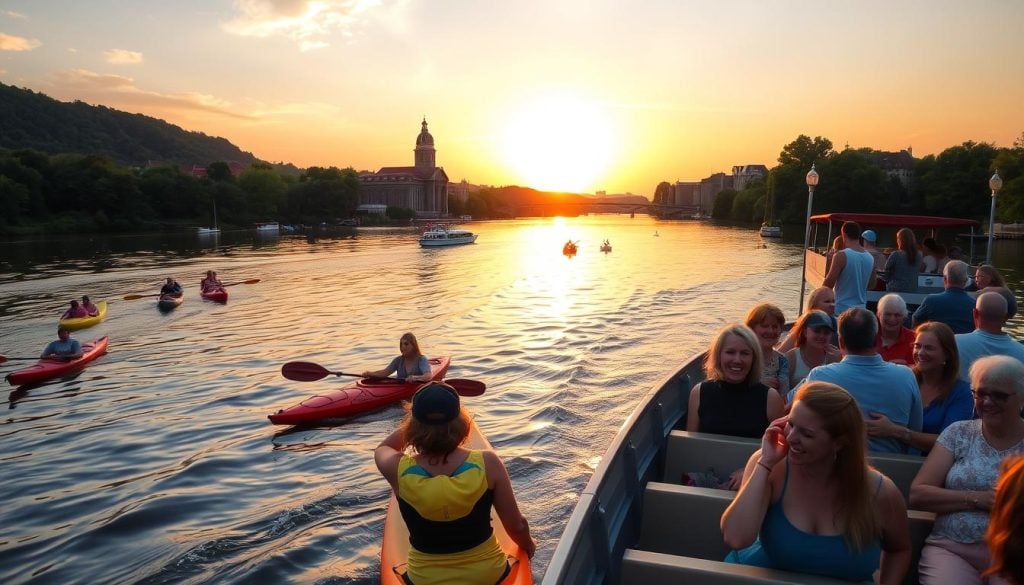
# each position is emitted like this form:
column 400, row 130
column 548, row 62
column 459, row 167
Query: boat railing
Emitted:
column 607, row 517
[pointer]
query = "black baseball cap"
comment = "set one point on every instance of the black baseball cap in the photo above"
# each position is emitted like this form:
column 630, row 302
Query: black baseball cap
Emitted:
column 436, row 403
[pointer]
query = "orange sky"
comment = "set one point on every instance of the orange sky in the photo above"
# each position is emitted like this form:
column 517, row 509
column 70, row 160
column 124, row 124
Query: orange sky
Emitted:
column 568, row 95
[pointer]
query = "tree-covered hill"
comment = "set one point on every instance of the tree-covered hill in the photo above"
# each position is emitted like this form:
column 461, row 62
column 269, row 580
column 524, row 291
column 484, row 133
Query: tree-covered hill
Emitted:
column 30, row 120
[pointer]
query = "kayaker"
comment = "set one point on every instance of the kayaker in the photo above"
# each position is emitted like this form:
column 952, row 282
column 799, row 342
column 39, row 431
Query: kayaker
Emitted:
column 211, row 282
column 446, row 492
column 412, row 365
column 75, row 312
column 171, row 288
column 91, row 309
column 64, row 348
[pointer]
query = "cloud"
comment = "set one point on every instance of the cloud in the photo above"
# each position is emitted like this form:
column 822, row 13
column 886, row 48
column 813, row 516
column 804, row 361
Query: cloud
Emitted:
column 122, row 57
column 307, row 22
column 118, row 90
column 14, row 15
column 13, row 43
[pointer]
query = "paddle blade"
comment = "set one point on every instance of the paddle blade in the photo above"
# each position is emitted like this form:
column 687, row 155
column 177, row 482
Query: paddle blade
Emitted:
column 467, row 387
column 250, row 281
column 304, row 371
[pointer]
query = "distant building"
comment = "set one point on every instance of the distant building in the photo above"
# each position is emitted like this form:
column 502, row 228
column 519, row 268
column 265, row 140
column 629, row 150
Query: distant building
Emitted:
column 744, row 174
column 686, row 193
column 897, row 164
column 711, row 187
column 422, row 188
column 459, row 191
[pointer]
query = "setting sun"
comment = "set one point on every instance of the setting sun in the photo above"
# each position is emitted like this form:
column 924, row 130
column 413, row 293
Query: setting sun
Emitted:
column 561, row 143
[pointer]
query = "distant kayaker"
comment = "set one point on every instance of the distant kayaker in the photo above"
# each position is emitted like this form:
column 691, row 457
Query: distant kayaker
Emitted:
column 171, row 288
column 211, row 282
column 412, row 365
column 446, row 492
column 75, row 312
column 89, row 307
column 64, row 348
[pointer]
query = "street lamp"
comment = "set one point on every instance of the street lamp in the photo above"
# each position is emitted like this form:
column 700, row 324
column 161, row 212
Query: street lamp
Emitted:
column 995, row 183
column 812, row 182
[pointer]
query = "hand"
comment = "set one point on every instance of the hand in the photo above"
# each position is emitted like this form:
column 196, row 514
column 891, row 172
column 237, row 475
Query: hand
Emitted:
column 773, row 383
column 532, row 549
column 832, row 353
column 774, row 446
column 984, row 499
column 734, row 481
column 879, row 425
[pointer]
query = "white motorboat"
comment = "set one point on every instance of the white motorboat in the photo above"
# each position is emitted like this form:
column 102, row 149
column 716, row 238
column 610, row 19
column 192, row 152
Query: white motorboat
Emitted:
column 271, row 226
column 445, row 235
column 770, row 231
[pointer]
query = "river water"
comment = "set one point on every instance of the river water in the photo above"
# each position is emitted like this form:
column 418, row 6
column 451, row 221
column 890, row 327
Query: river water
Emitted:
column 157, row 463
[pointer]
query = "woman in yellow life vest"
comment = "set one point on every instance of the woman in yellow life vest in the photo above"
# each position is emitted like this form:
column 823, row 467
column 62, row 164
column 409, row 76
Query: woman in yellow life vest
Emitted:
column 445, row 493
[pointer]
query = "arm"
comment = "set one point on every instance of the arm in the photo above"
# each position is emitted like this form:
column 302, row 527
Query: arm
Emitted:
column 896, row 551
column 742, row 520
column 423, row 365
column 791, row 358
column 927, row 493
column 879, row 425
column 783, row 375
column 692, row 408
column 384, row 373
column 787, row 345
column 838, row 263
column 505, row 503
column 388, row 454
column 921, row 314
column 76, row 351
column 48, row 351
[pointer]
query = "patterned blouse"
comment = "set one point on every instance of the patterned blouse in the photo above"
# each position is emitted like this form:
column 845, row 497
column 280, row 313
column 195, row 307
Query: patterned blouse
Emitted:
column 975, row 467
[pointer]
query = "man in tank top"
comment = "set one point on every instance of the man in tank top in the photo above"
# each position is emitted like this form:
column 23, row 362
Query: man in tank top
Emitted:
column 852, row 272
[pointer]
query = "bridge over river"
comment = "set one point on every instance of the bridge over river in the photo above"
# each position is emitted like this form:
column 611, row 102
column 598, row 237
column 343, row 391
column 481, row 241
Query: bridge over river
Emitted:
column 583, row 207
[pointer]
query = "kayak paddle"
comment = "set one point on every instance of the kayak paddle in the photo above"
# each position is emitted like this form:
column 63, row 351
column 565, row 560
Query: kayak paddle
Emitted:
column 133, row 297
column 4, row 358
column 250, row 281
column 309, row 372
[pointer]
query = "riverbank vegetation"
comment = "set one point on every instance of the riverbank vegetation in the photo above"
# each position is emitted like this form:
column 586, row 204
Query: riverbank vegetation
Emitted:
column 953, row 183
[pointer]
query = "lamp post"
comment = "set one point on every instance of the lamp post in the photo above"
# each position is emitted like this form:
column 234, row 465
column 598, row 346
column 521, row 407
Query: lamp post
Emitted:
column 812, row 182
column 995, row 184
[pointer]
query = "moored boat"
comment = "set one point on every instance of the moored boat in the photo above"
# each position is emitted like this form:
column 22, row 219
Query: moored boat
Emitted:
column 770, row 231
column 217, row 295
column 445, row 235
column 46, row 369
column 395, row 545
column 268, row 227
column 355, row 398
column 168, row 302
column 77, row 323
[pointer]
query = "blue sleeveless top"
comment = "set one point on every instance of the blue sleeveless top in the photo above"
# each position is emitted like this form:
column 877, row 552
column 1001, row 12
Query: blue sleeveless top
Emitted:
column 784, row 546
column 852, row 286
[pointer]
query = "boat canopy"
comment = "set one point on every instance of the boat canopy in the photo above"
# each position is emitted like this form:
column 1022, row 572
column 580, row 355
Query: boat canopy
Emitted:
column 884, row 219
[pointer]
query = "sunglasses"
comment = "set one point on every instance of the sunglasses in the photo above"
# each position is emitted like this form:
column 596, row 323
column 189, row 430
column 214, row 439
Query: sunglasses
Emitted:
column 993, row 396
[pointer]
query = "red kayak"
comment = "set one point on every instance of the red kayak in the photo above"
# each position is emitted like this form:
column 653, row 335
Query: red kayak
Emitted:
column 50, row 368
column 358, row 397
column 217, row 295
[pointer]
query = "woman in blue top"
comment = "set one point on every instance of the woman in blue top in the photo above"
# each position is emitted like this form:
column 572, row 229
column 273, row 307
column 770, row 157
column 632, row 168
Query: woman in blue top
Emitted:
column 823, row 511
column 946, row 398
column 412, row 365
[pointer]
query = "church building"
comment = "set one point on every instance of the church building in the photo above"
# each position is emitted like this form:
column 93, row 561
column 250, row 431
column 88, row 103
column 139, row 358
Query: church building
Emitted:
column 422, row 188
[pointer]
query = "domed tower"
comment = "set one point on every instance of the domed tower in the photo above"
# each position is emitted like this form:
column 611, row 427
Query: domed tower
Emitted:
column 425, row 152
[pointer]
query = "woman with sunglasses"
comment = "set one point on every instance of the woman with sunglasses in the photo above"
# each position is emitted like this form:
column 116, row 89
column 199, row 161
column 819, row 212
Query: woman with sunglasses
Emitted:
column 412, row 365
column 957, row 480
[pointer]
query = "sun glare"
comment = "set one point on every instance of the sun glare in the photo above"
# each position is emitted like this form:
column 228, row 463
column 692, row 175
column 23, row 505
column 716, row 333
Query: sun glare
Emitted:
column 559, row 144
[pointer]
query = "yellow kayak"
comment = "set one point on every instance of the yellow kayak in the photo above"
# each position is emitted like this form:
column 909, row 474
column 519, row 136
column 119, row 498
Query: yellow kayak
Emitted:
column 83, row 322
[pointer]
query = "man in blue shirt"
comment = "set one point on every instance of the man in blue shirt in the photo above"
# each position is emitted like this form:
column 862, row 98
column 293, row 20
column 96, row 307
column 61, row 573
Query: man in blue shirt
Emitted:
column 852, row 272
column 953, row 306
column 989, row 338
column 880, row 388
column 64, row 348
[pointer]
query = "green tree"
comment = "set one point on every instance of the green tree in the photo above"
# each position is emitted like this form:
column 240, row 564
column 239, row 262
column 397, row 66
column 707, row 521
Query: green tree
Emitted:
column 955, row 183
column 219, row 171
column 265, row 191
column 664, row 194
column 723, row 204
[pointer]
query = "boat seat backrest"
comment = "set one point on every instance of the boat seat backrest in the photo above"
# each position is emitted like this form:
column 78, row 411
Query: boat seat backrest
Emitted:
column 641, row 567
column 683, row 521
column 689, row 452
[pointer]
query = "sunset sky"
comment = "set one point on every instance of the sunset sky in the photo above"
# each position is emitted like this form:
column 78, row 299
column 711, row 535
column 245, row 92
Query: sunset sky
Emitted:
column 578, row 95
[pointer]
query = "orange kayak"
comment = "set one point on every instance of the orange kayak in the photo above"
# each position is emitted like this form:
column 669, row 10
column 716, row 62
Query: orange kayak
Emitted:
column 49, row 368
column 394, row 550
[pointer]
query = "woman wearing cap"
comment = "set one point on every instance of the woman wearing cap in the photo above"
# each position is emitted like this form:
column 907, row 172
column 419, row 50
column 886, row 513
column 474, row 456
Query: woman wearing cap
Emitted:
column 946, row 398
column 445, row 494
column 821, row 299
column 812, row 333
column 412, row 365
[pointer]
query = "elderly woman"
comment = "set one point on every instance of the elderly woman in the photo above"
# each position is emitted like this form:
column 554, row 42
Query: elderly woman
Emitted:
column 811, row 504
column 732, row 400
column 812, row 332
column 904, row 264
column 1006, row 526
column 946, row 398
column 957, row 480
column 895, row 342
column 766, row 321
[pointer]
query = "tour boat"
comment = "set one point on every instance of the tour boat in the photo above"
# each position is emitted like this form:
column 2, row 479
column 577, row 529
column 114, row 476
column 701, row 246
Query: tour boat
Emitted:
column 829, row 225
column 636, row 522
column 445, row 235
